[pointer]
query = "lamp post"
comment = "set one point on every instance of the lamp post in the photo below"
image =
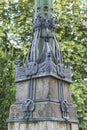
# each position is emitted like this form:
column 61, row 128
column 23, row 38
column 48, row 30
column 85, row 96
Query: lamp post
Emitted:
column 43, row 95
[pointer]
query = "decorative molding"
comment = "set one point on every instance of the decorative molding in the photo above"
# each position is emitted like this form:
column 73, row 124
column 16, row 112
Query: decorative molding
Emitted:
column 65, row 109
column 48, row 67
column 28, row 107
column 41, row 22
column 31, row 68
column 43, row 119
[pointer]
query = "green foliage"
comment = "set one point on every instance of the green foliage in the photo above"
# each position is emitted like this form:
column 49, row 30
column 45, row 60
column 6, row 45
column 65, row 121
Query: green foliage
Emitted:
column 15, row 38
column 7, row 87
column 79, row 90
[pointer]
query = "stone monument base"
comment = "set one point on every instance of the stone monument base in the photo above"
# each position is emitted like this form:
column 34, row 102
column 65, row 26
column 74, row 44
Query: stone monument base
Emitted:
column 49, row 113
column 42, row 125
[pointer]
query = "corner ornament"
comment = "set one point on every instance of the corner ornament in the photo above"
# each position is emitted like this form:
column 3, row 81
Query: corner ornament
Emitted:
column 65, row 109
column 31, row 69
column 28, row 107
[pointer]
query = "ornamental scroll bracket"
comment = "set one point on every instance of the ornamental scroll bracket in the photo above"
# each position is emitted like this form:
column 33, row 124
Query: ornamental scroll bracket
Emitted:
column 41, row 22
column 28, row 107
column 65, row 108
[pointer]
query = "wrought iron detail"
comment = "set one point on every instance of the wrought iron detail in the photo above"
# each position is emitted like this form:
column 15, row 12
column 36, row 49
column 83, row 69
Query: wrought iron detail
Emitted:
column 47, row 62
column 41, row 22
column 47, row 67
column 31, row 68
column 27, row 107
column 65, row 109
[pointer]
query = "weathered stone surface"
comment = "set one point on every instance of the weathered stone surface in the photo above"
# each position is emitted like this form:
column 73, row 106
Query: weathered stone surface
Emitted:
column 22, row 91
column 47, row 109
column 74, row 126
column 23, row 126
column 62, row 126
column 14, row 126
column 67, row 92
column 16, row 111
column 55, row 125
column 43, row 125
column 42, row 109
column 47, row 88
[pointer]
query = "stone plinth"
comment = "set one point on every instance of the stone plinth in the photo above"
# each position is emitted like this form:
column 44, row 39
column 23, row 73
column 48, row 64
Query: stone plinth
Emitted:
column 43, row 88
column 47, row 94
column 42, row 125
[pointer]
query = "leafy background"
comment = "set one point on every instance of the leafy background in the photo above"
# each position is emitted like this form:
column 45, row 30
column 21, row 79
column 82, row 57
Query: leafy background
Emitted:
column 15, row 39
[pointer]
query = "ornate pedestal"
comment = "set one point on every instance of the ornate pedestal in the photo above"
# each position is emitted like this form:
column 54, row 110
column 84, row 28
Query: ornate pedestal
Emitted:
column 43, row 103
column 43, row 96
